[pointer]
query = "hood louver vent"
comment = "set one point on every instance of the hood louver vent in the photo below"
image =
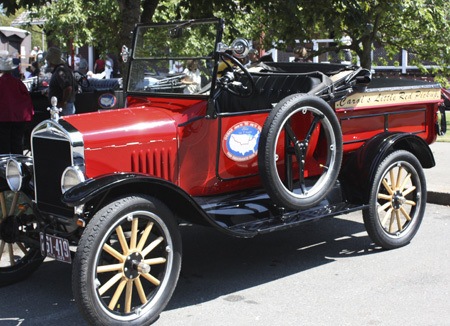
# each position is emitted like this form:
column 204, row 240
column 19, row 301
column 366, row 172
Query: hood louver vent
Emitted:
column 159, row 162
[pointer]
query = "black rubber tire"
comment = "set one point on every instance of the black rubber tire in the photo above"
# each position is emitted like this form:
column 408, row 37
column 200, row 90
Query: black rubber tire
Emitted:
column 314, row 189
column 26, row 259
column 399, row 204
column 88, row 281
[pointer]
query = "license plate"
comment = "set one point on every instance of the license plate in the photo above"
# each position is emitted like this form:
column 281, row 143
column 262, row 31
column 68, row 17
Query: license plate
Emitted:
column 57, row 248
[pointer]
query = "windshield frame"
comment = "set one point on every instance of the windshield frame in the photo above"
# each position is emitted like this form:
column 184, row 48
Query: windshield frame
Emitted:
column 134, row 57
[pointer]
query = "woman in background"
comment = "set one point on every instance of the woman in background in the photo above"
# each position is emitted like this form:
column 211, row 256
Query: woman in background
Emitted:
column 192, row 78
column 16, row 107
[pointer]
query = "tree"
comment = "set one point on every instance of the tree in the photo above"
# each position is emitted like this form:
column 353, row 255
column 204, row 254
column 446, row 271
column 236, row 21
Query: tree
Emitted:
column 10, row 6
column 416, row 25
column 104, row 24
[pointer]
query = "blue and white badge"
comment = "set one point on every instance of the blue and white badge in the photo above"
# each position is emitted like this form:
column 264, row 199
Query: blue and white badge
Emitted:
column 107, row 101
column 240, row 142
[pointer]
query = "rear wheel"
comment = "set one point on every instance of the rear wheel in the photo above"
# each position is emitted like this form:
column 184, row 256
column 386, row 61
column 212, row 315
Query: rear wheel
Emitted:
column 300, row 151
column 18, row 259
column 127, row 263
column 397, row 201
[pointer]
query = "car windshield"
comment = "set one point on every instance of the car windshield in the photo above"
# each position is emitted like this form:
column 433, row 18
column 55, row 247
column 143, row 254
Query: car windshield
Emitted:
column 174, row 58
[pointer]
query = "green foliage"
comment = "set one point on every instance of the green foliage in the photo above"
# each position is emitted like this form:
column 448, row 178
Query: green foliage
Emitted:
column 35, row 30
column 77, row 22
column 420, row 26
column 415, row 25
column 11, row 6
column 178, row 40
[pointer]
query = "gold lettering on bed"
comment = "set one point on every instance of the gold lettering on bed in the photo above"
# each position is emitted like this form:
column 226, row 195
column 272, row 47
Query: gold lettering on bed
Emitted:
column 358, row 100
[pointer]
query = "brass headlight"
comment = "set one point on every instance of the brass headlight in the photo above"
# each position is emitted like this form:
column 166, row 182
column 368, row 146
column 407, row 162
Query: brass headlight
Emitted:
column 71, row 177
column 14, row 174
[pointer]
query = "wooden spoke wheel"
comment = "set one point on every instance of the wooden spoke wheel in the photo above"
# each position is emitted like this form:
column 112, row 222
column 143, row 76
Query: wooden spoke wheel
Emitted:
column 397, row 201
column 17, row 258
column 300, row 151
column 127, row 263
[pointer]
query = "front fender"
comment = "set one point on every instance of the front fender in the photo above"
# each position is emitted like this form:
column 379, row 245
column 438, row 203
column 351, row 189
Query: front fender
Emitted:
column 103, row 189
column 358, row 173
column 92, row 188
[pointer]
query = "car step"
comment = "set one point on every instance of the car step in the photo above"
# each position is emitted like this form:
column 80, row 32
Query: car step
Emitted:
column 293, row 218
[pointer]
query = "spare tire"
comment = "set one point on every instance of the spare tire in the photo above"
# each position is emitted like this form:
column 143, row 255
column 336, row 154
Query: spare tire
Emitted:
column 300, row 151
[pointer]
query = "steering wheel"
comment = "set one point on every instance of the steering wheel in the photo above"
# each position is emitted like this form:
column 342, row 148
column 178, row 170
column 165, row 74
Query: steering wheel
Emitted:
column 238, row 84
column 81, row 79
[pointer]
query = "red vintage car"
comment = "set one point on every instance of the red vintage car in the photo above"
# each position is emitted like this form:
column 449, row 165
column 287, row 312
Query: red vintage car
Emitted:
column 244, row 150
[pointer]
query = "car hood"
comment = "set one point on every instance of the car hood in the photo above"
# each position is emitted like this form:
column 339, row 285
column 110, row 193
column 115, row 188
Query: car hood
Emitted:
column 124, row 126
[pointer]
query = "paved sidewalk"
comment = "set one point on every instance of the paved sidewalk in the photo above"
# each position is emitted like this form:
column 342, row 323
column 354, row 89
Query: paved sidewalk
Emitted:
column 438, row 177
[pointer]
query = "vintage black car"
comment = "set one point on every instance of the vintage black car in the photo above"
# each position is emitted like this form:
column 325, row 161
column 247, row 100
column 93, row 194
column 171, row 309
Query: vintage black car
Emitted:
column 93, row 95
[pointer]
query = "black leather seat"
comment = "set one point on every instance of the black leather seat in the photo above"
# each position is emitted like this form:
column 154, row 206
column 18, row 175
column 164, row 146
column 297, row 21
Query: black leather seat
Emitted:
column 270, row 88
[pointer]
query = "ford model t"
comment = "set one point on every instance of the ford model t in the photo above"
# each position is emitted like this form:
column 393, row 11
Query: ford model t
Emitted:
column 244, row 150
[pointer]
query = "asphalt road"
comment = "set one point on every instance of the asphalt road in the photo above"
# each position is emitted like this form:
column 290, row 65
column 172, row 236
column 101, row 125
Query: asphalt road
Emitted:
column 324, row 273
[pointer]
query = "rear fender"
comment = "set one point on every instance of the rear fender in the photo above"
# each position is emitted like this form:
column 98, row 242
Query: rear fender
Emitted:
column 358, row 172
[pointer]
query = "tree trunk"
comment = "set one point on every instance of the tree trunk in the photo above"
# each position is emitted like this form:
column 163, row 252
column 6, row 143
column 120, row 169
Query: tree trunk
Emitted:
column 365, row 53
column 131, row 14
column 149, row 7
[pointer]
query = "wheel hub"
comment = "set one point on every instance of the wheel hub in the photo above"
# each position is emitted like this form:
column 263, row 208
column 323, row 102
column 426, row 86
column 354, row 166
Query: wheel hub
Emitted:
column 398, row 200
column 134, row 266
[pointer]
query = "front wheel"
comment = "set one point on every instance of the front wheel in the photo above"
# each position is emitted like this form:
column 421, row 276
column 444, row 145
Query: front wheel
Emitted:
column 397, row 201
column 19, row 254
column 127, row 263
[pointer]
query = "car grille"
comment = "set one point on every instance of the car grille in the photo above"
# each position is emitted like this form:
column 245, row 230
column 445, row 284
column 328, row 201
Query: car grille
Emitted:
column 53, row 152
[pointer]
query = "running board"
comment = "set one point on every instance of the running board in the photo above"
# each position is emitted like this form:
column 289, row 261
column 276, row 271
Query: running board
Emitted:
column 294, row 218
column 252, row 212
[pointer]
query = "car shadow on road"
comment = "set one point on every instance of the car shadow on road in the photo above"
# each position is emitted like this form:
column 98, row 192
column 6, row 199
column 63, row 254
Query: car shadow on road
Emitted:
column 44, row 298
column 216, row 265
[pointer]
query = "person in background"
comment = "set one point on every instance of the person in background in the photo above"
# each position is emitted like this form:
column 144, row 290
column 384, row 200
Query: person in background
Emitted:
column 39, row 54
column 300, row 54
column 100, row 75
column 82, row 65
column 33, row 54
column 253, row 58
column 34, row 70
column 116, row 66
column 109, row 66
column 16, row 62
column 192, row 78
column 62, row 83
column 76, row 67
column 16, row 108
column 99, row 65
